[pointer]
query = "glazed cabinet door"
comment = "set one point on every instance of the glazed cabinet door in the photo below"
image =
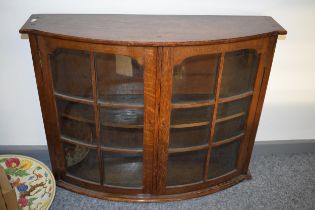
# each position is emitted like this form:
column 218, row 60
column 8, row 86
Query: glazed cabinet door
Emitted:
column 208, row 99
column 103, row 99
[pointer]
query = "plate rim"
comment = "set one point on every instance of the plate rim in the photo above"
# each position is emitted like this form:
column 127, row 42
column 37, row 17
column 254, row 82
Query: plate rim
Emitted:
column 42, row 164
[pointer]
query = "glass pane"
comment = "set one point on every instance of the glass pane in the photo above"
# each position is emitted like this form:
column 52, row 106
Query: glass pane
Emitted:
column 223, row 159
column 119, row 79
column 123, row 169
column 128, row 138
column 229, row 128
column 81, row 162
column 78, row 131
column 188, row 137
column 121, row 116
column 239, row 72
column 71, row 72
column 194, row 79
column 186, row 167
column 74, row 110
column 183, row 116
column 233, row 107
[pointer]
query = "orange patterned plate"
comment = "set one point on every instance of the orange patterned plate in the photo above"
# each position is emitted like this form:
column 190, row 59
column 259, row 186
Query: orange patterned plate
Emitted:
column 32, row 180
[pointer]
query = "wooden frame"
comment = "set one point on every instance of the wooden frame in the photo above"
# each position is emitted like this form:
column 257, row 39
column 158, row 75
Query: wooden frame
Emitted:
column 144, row 56
column 158, row 59
column 175, row 56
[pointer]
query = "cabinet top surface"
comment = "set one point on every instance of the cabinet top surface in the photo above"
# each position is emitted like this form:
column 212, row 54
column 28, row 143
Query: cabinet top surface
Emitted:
column 151, row 30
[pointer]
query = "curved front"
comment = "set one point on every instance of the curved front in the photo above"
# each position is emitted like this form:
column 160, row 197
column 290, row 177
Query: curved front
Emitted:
column 150, row 123
column 208, row 101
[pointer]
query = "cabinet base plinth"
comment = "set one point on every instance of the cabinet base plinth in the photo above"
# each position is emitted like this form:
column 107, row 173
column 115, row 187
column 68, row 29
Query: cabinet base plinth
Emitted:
column 150, row 197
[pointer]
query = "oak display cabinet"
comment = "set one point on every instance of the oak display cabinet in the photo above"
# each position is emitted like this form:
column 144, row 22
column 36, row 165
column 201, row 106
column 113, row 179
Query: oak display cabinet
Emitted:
column 151, row 108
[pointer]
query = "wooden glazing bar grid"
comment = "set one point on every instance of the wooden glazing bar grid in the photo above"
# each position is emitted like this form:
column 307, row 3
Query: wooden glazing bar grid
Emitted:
column 77, row 118
column 122, row 105
column 97, row 117
column 74, row 99
column 77, row 142
column 214, row 114
column 188, row 149
column 192, row 105
column 100, row 103
column 141, row 106
column 230, row 117
column 236, row 97
column 228, row 140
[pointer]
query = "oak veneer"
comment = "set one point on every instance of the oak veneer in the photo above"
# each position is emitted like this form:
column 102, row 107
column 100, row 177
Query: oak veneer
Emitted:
column 151, row 108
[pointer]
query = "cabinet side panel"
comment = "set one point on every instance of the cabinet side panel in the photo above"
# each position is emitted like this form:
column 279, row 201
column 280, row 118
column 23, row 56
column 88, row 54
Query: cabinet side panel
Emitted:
column 271, row 45
column 253, row 106
column 47, row 105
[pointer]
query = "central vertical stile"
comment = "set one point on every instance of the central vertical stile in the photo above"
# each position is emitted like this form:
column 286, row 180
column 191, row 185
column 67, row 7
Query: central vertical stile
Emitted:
column 214, row 115
column 97, row 116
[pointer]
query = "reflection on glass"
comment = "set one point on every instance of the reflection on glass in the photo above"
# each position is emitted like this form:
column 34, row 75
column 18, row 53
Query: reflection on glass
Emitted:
column 75, row 110
column 125, row 138
column 194, row 79
column 191, row 115
column 185, row 168
column 119, row 79
column 81, row 162
column 189, row 137
column 77, row 131
column 121, row 116
column 233, row 107
column 239, row 72
column 71, row 72
column 229, row 128
column 223, row 159
column 123, row 169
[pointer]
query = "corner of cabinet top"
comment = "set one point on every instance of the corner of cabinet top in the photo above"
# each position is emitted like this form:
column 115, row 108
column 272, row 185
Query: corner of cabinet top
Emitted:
column 152, row 30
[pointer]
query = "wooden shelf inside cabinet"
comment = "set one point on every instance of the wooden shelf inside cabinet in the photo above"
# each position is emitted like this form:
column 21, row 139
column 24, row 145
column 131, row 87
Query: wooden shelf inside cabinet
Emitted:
column 140, row 114
column 74, row 99
column 114, row 103
column 77, row 118
column 114, row 125
column 118, row 105
column 79, row 142
column 122, row 101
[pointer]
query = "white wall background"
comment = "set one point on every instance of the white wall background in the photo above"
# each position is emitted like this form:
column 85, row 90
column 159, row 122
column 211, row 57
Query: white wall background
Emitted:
column 289, row 111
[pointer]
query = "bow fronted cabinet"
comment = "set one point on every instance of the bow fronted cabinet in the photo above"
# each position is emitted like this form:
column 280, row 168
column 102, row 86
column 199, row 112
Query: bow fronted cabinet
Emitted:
column 151, row 108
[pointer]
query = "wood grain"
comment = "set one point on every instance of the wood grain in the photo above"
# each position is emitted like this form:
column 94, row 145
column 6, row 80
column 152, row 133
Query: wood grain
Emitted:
column 271, row 46
column 150, row 117
column 151, row 30
column 164, row 120
column 214, row 115
column 158, row 44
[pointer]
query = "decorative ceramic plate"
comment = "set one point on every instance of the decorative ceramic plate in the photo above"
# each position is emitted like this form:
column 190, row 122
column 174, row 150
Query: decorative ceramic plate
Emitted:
column 32, row 180
column 75, row 154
